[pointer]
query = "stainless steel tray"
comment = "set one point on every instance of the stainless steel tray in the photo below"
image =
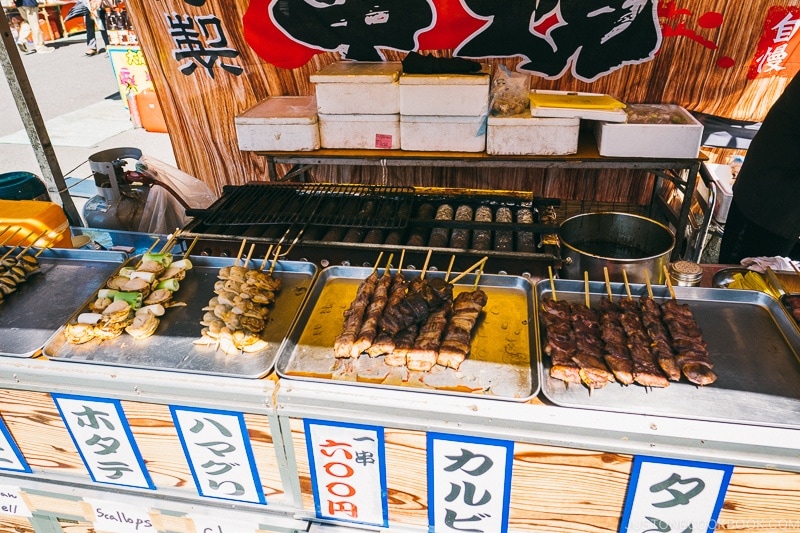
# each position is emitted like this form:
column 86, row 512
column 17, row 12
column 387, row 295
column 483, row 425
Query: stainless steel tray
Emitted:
column 67, row 279
column 751, row 341
column 173, row 347
column 501, row 364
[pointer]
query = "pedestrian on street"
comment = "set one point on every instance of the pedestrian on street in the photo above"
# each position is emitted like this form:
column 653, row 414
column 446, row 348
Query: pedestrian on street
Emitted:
column 94, row 19
column 29, row 10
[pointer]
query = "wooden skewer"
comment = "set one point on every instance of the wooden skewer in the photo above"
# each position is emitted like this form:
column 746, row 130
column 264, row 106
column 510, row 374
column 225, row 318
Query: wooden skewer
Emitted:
column 647, row 282
column 470, row 269
column 797, row 270
column 275, row 260
column 12, row 248
column 402, row 258
column 388, row 265
column 152, row 247
column 10, row 236
column 241, row 251
column 42, row 249
column 669, row 283
column 249, row 254
column 377, row 263
column 477, row 278
column 450, row 267
column 627, row 286
column 586, row 287
column 552, row 283
column 189, row 249
column 170, row 242
column 425, row 265
column 608, row 284
column 266, row 257
column 25, row 250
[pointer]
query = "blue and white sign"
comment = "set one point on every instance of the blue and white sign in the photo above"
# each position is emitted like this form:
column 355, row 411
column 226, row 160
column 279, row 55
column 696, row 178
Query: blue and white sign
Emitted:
column 11, row 457
column 674, row 496
column 469, row 483
column 219, row 453
column 101, row 434
column 348, row 471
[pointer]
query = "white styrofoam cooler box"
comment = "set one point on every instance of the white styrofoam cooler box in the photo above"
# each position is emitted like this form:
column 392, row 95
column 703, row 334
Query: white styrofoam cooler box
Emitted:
column 678, row 139
column 523, row 134
column 279, row 123
column 460, row 95
column 365, row 88
column 373, row 132
column 443, row 134
column 723, row 177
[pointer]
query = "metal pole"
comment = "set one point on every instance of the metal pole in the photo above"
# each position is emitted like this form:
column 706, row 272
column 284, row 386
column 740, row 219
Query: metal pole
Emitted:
column 34, row 124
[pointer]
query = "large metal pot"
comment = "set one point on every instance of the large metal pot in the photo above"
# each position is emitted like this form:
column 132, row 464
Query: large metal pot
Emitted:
column 618, row 241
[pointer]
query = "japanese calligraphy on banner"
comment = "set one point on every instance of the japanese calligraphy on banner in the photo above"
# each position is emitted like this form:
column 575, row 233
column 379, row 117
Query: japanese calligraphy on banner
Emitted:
column 348, row 471
column 591, row 39
column 200, row 41
column 671, row 495
column 10, row 456
column 469, row 483
column 101, row 434
column 219, row 454
column 777, row 53
column 130, row 70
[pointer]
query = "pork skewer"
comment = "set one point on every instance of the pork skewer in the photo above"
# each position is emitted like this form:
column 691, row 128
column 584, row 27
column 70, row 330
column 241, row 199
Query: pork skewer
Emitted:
column 645, row 370
column 384, row 343
column 615, row 348
column 354, row 315
column 369, row 327
column 588, row 342
column 457, row 339
column 691, row 352
column 560, row 343
column 660, row 343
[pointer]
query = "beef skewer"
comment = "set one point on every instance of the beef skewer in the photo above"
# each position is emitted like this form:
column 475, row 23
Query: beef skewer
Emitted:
column 660, row 343
column 691, row 352
column 645, row 370
column 589, row 344
column 615, row 348
column 457, row 339
column 354, row 315
column 560, row 343
column 369, row 328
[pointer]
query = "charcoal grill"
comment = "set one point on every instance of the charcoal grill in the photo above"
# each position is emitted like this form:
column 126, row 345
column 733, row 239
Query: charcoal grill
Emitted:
column 348, row 224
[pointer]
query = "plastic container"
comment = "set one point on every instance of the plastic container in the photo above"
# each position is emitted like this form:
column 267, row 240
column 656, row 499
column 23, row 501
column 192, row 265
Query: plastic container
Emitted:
column 442, row 133
column 364, row 87
column 22, row 186
column 279, row 123
column 523, row 134
column 33, row 218
column 459, row 95
column 370, row 132
column 150, row 112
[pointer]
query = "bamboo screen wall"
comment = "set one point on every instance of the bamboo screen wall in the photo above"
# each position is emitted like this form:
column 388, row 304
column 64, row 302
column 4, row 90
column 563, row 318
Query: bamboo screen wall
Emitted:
column 199, row 109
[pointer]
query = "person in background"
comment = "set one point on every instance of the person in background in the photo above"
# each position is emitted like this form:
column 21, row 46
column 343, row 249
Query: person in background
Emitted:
column 29, row 11
column 95, row 19
column 764, row 217
column 21, row 32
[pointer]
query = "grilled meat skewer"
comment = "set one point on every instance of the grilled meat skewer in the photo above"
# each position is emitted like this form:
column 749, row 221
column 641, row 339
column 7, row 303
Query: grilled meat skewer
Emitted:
column 354, row 316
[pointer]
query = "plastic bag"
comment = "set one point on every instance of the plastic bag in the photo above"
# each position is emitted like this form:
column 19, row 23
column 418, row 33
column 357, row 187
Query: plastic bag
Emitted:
column 509, row 94
column 163, row 211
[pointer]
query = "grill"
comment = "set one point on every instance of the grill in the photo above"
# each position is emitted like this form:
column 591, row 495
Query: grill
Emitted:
column 351, row 224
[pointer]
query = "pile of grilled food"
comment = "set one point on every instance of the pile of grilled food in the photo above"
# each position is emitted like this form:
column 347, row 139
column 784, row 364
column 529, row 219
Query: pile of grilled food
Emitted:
column 132, row 300
column 417, row 323
column 629, row 341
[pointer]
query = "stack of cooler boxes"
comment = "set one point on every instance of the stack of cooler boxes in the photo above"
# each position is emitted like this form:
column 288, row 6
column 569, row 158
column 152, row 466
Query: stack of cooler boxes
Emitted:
column 279, row 123
column 444, row 112
column 359, row 105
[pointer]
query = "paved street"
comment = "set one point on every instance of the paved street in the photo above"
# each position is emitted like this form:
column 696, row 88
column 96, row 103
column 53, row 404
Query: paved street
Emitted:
column 79, row 101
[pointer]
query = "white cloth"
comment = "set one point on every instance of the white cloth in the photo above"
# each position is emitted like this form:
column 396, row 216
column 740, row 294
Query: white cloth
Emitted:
column 777, row 263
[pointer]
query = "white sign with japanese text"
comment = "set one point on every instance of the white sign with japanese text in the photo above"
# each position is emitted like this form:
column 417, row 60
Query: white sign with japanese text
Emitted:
column 469, row 483
column 219, row 454
column 101, row 434
column 11, row 502
column 120, row 518
column 348, row 471
column 672, row 495
column 10, row 456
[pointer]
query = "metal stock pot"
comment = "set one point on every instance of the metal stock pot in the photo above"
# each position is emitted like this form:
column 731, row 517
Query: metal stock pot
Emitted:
column 620, row 242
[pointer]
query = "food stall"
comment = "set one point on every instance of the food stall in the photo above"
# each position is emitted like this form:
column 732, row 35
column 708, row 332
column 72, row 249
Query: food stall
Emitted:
column 172, row 426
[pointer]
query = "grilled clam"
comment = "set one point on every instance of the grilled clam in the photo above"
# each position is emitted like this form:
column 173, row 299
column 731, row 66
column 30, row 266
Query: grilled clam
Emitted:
column 144, row 324
column 99, row 305
column 110, row 330
column 151, row 266
column 117, row 311
column 159, row 296
column 79, row 333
